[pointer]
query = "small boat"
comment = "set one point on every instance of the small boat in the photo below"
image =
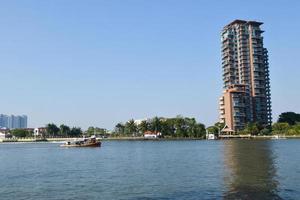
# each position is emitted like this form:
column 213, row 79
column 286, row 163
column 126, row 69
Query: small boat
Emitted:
column 86, row 142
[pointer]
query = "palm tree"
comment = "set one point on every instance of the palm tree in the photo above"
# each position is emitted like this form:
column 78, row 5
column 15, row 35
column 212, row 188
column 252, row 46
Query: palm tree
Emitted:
column 143, row 127
column 156, row 125
column 180, row 127
column 52, row 129
column 64, row 130
column 130, row 128
column 120, row 129
column 191, row 127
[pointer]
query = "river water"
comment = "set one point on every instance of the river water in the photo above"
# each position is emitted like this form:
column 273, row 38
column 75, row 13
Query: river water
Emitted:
column 224, row 169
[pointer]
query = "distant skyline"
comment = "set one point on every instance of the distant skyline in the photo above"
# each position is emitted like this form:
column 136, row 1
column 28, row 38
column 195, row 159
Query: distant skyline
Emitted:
column 97, row 63
column 13, row 121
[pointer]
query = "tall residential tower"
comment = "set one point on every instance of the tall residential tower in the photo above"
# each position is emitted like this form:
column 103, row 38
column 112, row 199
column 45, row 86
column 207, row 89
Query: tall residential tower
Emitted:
column 13, row 121
column 246, row 97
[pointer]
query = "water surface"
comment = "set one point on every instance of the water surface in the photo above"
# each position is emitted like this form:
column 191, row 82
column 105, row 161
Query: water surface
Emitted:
column 228, row 169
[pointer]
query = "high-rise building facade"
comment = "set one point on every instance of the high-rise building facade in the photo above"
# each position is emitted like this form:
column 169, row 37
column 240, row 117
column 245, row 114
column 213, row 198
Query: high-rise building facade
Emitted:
column 13, row 121
column 246, row 97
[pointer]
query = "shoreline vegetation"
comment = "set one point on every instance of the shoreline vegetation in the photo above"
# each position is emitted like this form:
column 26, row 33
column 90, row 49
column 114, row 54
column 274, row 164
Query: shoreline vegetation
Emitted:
column 258, row 137
column 177, row 128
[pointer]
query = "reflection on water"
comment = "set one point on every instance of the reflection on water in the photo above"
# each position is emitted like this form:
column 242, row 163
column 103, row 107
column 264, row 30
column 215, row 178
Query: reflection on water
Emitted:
column 251, row 170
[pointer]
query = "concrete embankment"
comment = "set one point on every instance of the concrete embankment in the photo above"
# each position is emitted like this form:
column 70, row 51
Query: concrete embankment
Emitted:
column 103, row 139
column 35, row 139
column 145, row 139
column 259, row 136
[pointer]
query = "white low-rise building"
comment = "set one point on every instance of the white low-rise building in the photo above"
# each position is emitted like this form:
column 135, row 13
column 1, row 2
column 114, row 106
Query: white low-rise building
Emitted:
column 152, row 135
column 39, row 131
column 2, row 136
column 210, row 136
column 3, row 132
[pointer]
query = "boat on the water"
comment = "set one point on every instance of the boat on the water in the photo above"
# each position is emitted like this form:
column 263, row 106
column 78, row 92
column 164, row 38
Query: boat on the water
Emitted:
column 86, row 142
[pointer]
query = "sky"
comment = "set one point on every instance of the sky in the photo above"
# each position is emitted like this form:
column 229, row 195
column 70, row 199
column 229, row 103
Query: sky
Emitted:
column 100, row 62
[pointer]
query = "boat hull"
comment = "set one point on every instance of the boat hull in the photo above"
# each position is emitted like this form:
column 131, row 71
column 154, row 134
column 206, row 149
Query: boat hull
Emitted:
column 97, row 144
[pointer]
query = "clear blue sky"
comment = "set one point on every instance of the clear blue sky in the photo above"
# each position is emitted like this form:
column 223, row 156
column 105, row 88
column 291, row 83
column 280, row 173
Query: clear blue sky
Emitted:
column 101, row 62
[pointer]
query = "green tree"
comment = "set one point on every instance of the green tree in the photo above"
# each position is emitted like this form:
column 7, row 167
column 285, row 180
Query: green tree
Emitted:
column 52, row 129
column 200, row 130
column 64, row 130
column 280, row 128
column 294, row 130
column 190, row 126
column 194, row 129
column 180, row 127
column 216, row 129
column 296, row 127
column 21, row 133
column 100, row 131
column 167, row 127
column 265, row 131
column 155, row 124
column 290, row 117
column 220, row 126
column 120, row 129
column 76, row 132
column 130, row 128
column 252, row 128
column 213, row 130
column 96, row 131
column 143, row 127
column 90, row 131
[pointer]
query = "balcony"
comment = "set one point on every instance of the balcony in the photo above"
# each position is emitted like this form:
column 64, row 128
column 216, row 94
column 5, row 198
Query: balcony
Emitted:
column 238, row 105
column 237, row 114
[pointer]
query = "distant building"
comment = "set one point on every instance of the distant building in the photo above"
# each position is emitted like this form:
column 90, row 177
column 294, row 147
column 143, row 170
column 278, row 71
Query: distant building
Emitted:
column 2, row 136
column 3, row 133
column 246, row 97
column 13, row 121
column 152, row 135
column 40, row 131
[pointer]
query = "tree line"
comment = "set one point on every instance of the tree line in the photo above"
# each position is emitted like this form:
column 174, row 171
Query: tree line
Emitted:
column 288, row 123
column 52, row 130
column 169, row 127
column 21, row 133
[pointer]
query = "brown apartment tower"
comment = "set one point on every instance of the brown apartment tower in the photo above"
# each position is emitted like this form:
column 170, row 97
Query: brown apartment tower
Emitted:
column 246, row 96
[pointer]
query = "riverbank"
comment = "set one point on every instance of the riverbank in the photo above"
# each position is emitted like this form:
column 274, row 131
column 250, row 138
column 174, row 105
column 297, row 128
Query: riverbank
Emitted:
column 103, row 139
column 7, row 140
column 145, row 139
column 35, row 139
column 259, row 137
